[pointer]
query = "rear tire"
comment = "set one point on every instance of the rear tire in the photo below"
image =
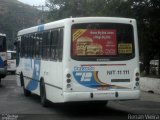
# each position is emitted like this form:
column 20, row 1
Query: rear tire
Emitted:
column 43, row 98
column 26, row 92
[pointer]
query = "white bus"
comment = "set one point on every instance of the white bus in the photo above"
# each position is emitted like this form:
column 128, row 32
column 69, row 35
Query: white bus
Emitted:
column 91, row 59
column 11, row 61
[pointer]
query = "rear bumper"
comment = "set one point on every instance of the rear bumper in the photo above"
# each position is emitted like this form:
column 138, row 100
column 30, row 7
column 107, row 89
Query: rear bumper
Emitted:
column 101, row 96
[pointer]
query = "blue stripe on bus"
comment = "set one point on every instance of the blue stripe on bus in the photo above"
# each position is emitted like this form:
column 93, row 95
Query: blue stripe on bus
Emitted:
column 40, row 28
column 33, row 84
column 1, row 63
column 90, row 79
column 86, row 78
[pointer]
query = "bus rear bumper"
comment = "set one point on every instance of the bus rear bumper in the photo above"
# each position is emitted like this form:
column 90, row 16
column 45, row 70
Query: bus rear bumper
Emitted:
column 101, row 96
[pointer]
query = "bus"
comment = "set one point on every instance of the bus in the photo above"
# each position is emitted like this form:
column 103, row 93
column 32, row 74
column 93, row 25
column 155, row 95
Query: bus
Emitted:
column 11, row 61
column 83, row 59
column 3, row 61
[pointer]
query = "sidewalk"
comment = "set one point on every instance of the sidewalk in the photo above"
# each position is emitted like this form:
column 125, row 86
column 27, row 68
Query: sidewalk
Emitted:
column 150, row 84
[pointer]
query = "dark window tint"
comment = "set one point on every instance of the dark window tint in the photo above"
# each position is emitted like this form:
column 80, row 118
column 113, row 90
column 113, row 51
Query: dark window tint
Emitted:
column 47, row 45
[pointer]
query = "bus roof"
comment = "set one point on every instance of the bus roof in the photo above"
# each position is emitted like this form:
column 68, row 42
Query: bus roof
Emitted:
column 1, row 34
column 63, row 22
column 9, row 51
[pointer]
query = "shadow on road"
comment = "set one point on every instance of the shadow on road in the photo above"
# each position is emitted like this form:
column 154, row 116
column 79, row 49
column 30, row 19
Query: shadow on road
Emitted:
column 83, row 110
column 1, row 86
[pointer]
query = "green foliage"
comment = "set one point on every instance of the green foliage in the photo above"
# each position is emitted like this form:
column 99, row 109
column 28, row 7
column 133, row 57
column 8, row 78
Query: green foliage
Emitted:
column 77, row 8
column 147, row 14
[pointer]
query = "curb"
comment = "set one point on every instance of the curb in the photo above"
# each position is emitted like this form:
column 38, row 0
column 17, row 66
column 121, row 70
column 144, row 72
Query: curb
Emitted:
column 150, row 84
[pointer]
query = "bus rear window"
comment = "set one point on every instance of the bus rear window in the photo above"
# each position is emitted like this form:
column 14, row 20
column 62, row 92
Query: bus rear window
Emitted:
column 102, row 41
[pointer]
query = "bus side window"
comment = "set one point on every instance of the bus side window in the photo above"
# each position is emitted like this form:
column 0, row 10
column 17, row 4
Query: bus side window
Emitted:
column 29, row 46
column 18, row 49
column 56, row 45
column 25, row 46
column 54, row 42
column 52, row 45
column 37, row 45
column 22, row 46
column 43, row 45
column 40, row 43
column 60, row 45
column 32, row 45
column 46, row 45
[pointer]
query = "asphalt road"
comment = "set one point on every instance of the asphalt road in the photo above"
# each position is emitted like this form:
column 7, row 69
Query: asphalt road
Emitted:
column 15, row 106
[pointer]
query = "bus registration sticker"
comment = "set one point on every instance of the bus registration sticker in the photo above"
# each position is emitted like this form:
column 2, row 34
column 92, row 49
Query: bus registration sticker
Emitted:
column 125, row 48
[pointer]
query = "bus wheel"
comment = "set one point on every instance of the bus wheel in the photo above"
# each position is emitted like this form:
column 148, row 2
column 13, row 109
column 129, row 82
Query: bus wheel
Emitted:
column 44, row 101
column 25, row 91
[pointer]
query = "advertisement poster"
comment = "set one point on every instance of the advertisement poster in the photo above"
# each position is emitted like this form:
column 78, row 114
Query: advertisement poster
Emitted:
column 86, row 42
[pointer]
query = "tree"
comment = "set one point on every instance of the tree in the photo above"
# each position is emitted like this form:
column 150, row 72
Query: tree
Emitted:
column 65, row 8
column 147, row 14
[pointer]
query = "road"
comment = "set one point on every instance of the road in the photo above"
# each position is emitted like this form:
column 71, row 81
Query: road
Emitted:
column 14, row 105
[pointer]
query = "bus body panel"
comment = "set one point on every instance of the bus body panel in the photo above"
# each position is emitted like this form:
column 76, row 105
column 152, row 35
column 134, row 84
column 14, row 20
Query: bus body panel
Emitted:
column 111, row 75
column 52, row 73
column 54, row 94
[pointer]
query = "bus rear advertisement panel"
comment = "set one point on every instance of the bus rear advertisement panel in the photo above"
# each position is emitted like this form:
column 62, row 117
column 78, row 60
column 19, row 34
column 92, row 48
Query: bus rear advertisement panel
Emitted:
column 94, row 42
column 81, row 59
column 114, row 41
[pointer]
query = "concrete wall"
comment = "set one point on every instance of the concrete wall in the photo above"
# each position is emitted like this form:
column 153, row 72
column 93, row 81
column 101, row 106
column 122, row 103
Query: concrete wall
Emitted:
column 150, row 84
